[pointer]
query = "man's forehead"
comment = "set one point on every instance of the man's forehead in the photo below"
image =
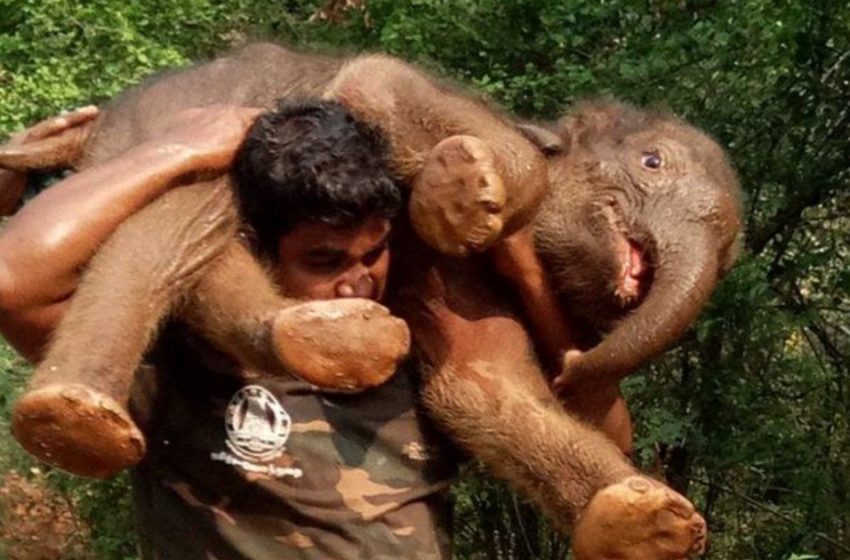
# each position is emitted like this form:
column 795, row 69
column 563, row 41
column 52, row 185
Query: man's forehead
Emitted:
column 317, row 235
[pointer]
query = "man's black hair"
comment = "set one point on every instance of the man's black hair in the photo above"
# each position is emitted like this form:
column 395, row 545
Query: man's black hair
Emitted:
column 311, row 161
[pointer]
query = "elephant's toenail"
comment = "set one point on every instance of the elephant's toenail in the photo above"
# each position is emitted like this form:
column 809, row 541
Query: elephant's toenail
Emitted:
column 681, row 508
column 639, row 485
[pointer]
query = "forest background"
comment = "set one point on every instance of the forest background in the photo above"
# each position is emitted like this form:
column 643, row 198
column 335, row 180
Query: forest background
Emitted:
column 748, row 415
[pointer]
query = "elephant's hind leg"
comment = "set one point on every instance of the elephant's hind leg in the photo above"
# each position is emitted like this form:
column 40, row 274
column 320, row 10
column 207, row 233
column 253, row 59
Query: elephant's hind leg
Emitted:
column 74, row 415
column 339, row 345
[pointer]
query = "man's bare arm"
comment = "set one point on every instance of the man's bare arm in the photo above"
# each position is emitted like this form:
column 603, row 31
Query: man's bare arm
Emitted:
column 44, row 246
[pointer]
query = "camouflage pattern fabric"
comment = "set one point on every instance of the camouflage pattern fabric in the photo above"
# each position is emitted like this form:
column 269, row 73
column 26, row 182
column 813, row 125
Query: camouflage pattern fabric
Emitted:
column 245, row 466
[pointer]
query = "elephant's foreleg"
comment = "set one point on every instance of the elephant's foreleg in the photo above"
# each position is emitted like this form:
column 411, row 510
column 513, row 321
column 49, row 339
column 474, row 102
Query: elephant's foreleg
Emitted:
column 74, row 414
column 555, row 334
column 485, row 388
column 339, row 345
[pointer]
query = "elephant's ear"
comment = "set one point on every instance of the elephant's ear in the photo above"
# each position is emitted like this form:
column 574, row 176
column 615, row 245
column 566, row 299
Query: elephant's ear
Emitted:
column 549, row 142
column 592, row 120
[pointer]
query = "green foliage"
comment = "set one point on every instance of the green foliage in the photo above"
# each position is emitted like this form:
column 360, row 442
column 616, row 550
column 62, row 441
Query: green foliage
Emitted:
column 13, row 375
column 56, row 54
column 497, row 524
column 750, row 412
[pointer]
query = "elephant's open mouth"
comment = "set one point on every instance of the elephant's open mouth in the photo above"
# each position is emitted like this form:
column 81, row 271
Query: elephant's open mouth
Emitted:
column 635, row 275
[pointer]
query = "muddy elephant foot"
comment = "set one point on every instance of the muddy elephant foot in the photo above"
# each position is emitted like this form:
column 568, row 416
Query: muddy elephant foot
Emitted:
column 77, row 429
column 639, row 519
column 457, row 201
column 340, row 345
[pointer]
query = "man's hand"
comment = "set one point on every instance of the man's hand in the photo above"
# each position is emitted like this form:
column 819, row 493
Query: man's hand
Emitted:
column 600, row 404
column 44, row 246
column 209, row 136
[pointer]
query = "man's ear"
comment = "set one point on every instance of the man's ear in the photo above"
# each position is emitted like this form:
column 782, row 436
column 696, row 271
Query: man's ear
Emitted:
column 549, row 142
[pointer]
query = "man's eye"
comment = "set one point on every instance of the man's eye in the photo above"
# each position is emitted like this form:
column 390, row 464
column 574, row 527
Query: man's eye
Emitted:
column 372, row 256
column 325, row 264
column 652, row 160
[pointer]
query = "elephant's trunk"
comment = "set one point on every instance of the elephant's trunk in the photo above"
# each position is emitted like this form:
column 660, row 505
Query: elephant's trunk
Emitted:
column 685, row 276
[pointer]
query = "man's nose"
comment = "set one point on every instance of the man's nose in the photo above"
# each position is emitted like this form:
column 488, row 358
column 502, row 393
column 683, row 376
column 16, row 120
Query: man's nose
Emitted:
column 359, row 285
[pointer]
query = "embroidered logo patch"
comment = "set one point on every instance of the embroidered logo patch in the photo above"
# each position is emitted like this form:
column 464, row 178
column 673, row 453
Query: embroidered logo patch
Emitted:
column 257, row 428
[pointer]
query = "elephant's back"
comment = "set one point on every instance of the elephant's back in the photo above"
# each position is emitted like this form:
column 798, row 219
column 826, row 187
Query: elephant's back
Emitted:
column 255, row 75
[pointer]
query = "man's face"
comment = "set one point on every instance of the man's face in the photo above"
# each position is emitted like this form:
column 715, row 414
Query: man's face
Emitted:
column 319, row 261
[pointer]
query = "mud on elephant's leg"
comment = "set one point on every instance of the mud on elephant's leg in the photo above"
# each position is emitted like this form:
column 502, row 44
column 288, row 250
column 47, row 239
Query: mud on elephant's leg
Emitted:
column 475, row 176
column 485, row 388
column 339, row 345
column 74, row 413
column 457, row 200
column 639, row 519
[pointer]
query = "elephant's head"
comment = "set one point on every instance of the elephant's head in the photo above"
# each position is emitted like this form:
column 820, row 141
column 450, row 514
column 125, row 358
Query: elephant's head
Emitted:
column 642, row 219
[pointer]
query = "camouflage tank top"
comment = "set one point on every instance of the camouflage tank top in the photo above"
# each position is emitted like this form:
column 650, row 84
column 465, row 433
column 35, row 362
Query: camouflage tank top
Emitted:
column 243, row 466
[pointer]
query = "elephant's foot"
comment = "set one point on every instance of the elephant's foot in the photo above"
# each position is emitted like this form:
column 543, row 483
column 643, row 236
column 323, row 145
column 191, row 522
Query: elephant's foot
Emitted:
column 639, row 519
column 457, row 201
column 341, row 344
column 77, row 429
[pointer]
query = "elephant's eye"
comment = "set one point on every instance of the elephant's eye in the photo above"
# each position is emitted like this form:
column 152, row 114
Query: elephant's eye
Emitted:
column 651, row 160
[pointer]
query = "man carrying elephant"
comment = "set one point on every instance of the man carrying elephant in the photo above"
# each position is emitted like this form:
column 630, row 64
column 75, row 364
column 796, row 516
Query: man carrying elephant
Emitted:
column 180, row 516
column 484, row 384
